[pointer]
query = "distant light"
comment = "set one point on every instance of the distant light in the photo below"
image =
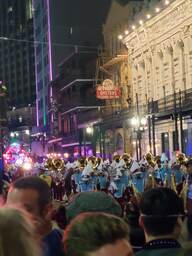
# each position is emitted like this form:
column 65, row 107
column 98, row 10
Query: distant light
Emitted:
column 143, row 121
column 148, row 16
column 166, row 2
column 66, row 155
column 126, row 32
column 120, row 37
column 141, row 22
column 17, row 134
column 27, row 166
column 133, row 27
column 89, row 130
column 20, row 119
column 12, row 134
column 135, row 121
column 27, row 132
column 157, row 9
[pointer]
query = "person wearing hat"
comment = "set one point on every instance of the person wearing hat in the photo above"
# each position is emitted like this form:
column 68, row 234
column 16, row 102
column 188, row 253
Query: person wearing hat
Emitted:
column 138, row 177
column 93, row 201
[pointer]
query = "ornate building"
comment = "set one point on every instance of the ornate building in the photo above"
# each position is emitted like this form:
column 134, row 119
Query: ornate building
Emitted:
column 160, row 57
column 113, row 65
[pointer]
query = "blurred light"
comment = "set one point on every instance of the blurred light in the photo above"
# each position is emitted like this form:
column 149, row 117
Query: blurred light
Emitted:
column 157, row 9
column 27, row 166
column 126, row 32
column 134, row 121
column 59, row 155
column 89, row 130
column 17, row 134
column 20, row 119
column 148, row 16
column 27, row 132
column 134, row 142
column 66, row 155
column 166, row 2
column 120, row 37
column 141, row 22
column 12, row 134
column 143, row 121
column 133, row 27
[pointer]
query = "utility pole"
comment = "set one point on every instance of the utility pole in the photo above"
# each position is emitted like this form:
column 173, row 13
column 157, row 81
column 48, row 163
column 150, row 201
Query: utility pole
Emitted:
column 3, row 126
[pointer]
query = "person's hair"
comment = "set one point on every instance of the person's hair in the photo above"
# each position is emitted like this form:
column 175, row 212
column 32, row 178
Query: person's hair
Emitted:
column 37, row 184
column 16, row 234
column 88, row 232
column 160, row 208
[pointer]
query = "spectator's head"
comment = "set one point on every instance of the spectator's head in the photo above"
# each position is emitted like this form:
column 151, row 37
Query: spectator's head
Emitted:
column 161, row 211
column 32, row 193
column 97, row 234
column 16, row 234
column 93, row 202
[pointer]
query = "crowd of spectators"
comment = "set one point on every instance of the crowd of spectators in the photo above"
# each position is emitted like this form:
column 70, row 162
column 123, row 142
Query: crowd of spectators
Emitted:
column 92, row 224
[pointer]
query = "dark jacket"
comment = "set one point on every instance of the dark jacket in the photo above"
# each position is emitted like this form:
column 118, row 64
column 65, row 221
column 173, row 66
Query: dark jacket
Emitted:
column 161, row 247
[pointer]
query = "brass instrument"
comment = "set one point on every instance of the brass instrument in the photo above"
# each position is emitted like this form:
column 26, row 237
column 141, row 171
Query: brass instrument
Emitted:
column 116, row 158
column 181, row 158
column 150, row 159
column 127, row 159
column 58, row 164
column 157, row 160
column 93, row 161
column 82, row 162
column 48, row 164
column 54, row 164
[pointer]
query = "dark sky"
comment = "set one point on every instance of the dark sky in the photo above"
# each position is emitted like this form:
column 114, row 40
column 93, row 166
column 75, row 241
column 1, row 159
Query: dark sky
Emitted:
column 86, row 12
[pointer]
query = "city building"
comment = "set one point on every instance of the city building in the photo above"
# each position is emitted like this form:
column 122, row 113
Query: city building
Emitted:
column 114, row 65
column 160, row 56
column 59, row 26
column 75, row 108
column 17, row 52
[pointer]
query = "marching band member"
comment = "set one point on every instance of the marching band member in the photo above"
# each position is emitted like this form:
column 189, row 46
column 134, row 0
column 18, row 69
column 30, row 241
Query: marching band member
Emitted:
column 138, row 177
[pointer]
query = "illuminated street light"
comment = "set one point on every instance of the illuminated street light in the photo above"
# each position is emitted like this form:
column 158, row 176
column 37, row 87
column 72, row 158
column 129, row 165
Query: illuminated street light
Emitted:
column 134, row 121
column 12, row 134
column 148, row 16
column 27, row 132
column 133, row 27
column 157, row 9
column 89, row 130
column 143, row 121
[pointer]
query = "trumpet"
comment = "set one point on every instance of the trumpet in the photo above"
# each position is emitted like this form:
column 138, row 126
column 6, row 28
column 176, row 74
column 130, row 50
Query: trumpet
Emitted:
column 150, row 159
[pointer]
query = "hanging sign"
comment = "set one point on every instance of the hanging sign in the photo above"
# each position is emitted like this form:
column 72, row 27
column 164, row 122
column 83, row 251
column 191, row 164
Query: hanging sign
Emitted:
column 108, row 90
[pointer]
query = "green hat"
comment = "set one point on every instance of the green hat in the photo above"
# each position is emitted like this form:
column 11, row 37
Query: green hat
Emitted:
column 93, row 202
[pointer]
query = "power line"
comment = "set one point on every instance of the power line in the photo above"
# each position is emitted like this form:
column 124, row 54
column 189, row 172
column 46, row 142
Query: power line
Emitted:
column 36, row 42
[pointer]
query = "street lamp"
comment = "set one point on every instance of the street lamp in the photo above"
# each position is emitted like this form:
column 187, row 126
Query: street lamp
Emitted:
column 139, row 124
column 89, row 130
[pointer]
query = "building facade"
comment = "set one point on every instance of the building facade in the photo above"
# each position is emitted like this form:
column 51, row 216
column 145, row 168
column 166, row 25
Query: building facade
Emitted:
column 74, row 108
column 160, row 57
column 17, row 51
column 114, row 65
